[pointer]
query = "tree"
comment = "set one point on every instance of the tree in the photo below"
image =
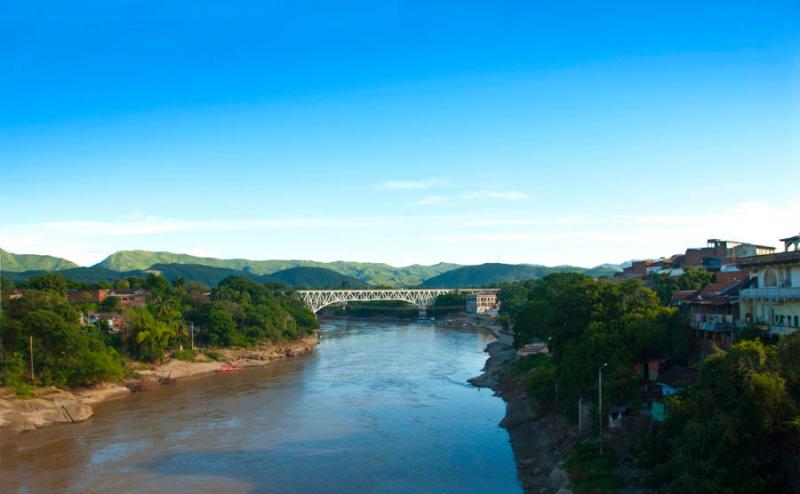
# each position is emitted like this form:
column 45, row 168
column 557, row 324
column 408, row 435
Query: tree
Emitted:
column 48, row 282
column 219, row 326
column 109, row 304
column 122, row 284
column 722, row 437
column 692, row 279
column 150, row 337
column 587, row 322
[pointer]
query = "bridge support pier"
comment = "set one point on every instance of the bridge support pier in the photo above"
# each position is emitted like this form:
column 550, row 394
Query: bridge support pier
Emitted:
column 423, row 312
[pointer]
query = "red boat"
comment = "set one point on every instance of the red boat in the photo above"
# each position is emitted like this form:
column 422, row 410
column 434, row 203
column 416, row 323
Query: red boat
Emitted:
column 229, row 368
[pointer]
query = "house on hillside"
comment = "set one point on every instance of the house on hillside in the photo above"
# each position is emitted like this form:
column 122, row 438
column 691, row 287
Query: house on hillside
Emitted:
column 772, row 301
column 713, row 312
column 130, row 298
column 637, row 269
column 718, row 253
column 113, row 320
column 16, row 294
column 88, row 296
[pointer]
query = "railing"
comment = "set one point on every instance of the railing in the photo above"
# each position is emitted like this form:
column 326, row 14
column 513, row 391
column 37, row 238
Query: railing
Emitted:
column 771, row 293
column 421, row 297
column 714, row 326
column 775, row 330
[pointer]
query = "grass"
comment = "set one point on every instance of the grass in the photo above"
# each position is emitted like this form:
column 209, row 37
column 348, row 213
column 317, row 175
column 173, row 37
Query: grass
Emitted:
column 530, row 362
column 591, row 472
column 212, row 355
column 186, row 355
column 22, row 389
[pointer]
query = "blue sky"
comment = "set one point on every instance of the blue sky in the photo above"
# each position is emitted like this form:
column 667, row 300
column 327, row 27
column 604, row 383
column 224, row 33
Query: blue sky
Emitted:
column 401, row 132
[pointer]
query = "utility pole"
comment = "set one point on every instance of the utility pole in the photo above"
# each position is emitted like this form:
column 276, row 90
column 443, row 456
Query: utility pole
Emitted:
column 600, row 403
column 31, row 349
column 192, row 335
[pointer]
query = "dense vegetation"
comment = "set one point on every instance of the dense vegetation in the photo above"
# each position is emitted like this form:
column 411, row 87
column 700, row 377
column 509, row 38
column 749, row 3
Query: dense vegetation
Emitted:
column 239, row 312
column 394, row 309
column 65, row 352
column 737, row 430
column 587, row 323
column 494, row 273
column 448, row 303
column 691, row 279
column 29, row 262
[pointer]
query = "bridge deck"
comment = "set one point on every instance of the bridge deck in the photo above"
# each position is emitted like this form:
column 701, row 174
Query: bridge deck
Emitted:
column 421, row 297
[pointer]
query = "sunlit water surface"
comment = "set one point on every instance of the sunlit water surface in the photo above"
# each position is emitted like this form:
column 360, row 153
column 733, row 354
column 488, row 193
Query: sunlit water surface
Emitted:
column 379, row 407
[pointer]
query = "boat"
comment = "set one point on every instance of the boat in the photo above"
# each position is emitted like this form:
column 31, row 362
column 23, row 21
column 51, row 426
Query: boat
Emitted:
column 229, row 368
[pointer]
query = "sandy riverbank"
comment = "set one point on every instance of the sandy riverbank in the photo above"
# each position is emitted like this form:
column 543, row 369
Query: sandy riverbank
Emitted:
column 51, row 405
column 539, row 440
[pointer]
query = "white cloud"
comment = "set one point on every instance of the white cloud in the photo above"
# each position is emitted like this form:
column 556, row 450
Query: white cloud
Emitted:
column 510, row 195
column 582, row 239
column 408, row 184
column 431, row 200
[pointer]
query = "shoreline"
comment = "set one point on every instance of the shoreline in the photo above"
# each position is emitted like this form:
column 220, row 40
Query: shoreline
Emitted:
column 52, row 405
column 539, row 440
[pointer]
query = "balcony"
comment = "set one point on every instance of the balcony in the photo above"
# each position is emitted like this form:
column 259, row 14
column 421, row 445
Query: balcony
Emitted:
column 775, row 294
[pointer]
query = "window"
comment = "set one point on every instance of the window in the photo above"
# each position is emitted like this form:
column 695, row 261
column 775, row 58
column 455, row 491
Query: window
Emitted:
column 771, row 278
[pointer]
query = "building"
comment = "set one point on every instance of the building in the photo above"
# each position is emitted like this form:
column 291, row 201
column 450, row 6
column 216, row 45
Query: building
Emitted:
column 732, row 248
column 113, row 320
column 712, row 256
column 92, row 296
column 16, row 294
column 637, row 269
column 772, row 301
column 482, row 302
column 130, row 298
column 714, row 310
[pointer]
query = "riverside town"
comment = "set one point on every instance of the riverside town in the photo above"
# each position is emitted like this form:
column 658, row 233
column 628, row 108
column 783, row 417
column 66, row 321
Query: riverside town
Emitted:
column 416, row 247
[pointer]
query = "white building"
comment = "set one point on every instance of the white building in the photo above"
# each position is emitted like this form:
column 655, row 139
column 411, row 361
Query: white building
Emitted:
column 772, row 303
column 482, row 302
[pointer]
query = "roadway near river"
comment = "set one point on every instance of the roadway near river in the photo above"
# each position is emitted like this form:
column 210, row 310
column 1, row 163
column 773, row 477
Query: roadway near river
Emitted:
column 379, row 407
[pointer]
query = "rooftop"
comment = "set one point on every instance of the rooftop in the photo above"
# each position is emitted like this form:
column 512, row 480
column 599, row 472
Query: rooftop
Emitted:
column 769, row 259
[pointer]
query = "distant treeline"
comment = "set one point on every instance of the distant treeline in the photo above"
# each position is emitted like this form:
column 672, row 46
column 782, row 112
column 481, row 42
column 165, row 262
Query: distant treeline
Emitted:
column 300, row 277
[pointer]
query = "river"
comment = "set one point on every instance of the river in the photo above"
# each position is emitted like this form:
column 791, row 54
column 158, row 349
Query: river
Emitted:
column 378, row 407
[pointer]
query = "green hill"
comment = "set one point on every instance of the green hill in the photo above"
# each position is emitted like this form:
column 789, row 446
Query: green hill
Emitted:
column 377, row 274
column 207, row 275
column 495, row 273
column 28, row 262
column 317, row 278
column 85, row 275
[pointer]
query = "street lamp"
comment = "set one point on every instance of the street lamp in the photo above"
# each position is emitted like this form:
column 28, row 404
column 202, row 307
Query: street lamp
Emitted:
column 600, row 403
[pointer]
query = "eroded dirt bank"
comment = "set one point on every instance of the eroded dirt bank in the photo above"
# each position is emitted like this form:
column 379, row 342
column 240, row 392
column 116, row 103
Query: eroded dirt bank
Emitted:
column 51, row 405
column 539, row 440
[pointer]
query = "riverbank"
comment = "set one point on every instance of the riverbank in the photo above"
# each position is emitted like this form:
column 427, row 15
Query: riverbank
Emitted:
column 49, row 406
column 539, row 440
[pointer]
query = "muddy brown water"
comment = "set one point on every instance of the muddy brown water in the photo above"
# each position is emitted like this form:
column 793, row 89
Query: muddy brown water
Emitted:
column 378, row 407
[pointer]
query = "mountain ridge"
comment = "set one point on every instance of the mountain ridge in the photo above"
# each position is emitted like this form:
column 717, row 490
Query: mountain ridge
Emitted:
column 496, row 273
column 377, row 274
column 28, row 262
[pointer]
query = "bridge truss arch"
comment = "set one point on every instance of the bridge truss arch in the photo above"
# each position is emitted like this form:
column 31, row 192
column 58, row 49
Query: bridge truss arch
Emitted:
column 420, row 297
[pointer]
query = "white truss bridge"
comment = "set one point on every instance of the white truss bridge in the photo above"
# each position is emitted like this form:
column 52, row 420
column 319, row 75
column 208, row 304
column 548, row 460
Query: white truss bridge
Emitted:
column 420, row 297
